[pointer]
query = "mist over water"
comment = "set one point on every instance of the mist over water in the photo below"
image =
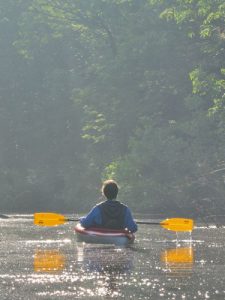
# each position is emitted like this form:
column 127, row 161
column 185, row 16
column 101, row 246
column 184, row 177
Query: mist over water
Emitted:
column 48, row 263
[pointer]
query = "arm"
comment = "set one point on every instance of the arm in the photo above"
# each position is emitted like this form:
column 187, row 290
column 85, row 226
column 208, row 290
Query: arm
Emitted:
column 93, row 218
column 129, row 221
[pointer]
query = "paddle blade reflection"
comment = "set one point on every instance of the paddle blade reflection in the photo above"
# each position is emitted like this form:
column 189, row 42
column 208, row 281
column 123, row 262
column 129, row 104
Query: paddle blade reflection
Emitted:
column 178, row 261
column 49, row 261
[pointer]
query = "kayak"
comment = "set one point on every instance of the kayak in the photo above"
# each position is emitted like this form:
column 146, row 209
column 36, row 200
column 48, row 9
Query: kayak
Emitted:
column 103, row 236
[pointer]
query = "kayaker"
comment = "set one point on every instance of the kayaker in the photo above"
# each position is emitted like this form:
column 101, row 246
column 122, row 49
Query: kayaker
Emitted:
column 110, row 213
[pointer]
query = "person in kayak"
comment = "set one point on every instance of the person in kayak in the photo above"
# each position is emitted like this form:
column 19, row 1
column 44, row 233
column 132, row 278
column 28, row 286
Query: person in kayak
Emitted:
column 110, row 214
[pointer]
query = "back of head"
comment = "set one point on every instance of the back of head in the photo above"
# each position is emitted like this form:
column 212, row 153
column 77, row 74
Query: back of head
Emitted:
column 110, row 189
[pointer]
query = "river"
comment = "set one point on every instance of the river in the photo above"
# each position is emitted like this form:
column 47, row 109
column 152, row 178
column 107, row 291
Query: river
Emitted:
column 48, row 263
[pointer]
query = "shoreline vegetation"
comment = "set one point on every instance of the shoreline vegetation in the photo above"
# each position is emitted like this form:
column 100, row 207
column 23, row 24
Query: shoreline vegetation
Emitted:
column 129, row 90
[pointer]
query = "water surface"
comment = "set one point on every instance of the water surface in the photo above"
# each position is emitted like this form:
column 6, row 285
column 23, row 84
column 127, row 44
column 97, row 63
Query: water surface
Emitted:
column 48, row 263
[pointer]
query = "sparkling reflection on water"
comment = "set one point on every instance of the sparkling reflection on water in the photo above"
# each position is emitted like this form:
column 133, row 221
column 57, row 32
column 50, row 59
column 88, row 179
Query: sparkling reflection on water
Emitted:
column 48, row 263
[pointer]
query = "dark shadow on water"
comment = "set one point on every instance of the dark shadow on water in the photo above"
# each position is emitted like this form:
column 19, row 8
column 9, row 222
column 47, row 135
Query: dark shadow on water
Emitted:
column 4, row 216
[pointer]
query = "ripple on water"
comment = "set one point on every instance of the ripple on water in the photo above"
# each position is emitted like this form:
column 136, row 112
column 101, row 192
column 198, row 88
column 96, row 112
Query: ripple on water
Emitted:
column 48, row 241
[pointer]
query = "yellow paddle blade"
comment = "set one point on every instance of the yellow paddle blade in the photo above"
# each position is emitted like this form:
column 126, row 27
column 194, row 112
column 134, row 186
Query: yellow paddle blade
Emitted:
column 178, row 224
column 49, row 261
column 49, row 219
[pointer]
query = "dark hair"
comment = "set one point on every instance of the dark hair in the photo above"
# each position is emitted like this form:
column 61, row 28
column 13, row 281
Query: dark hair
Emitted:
column 110, row 189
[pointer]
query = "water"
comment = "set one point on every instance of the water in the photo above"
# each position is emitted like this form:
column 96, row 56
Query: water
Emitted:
column 48, row 263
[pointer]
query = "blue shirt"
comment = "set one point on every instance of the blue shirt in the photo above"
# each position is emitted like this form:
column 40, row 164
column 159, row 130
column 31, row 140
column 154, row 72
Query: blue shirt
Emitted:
column 94, row 217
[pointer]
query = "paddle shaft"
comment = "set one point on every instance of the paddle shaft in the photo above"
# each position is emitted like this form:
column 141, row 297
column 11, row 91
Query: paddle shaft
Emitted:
column 72, row 220
column 147, row 223
column 138, row 222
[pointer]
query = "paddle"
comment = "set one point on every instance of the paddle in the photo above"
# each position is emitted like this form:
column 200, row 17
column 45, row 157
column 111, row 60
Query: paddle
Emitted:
column 53, row 219
column 173, row 224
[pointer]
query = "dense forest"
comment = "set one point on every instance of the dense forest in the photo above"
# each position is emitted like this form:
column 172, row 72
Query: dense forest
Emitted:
column 124, row 89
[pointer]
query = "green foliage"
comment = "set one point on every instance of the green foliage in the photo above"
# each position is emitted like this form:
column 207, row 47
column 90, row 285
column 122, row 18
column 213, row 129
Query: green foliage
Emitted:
column 96, row 127
column 124, row 89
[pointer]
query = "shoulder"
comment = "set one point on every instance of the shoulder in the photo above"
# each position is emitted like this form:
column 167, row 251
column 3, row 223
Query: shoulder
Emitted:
column 95, row 210
column 128, row 211
column 99, row 204
column 124, row 205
